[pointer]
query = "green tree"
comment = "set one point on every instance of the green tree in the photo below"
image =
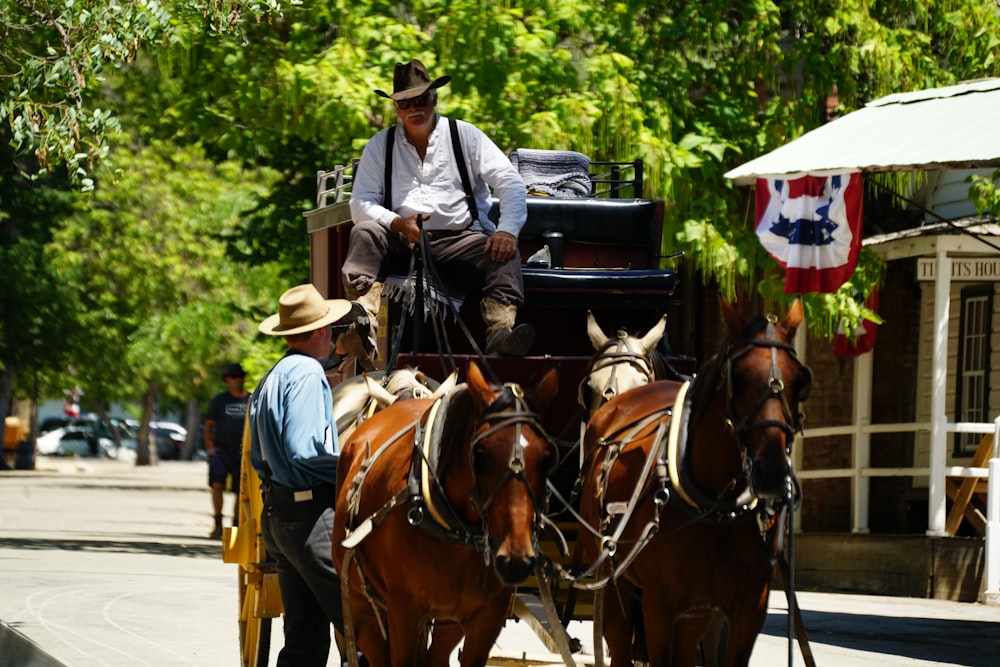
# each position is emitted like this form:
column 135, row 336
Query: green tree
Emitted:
column 692, row 88
column 37, row 313
column 55, row 125
column 162, row 306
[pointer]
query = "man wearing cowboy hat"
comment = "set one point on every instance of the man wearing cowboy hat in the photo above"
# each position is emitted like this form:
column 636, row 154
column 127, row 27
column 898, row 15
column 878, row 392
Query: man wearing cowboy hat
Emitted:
column 426, row 183
column 293, row 447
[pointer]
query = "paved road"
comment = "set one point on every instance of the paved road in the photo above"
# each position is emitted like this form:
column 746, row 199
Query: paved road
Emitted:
column 106, row 564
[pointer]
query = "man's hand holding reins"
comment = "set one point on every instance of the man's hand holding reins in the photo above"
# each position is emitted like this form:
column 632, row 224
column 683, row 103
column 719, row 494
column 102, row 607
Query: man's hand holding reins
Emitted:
column 408, row 228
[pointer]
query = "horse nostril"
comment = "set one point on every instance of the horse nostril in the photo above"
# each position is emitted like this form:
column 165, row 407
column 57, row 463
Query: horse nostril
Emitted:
column 769, row 476
column 514, row 570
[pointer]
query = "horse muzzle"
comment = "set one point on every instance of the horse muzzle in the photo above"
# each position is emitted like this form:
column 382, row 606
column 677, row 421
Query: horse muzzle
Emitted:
column 769, row 477
column 513, row 570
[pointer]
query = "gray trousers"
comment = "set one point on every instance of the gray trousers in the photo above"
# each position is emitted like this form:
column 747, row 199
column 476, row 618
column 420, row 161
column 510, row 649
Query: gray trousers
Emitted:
column 371, row 241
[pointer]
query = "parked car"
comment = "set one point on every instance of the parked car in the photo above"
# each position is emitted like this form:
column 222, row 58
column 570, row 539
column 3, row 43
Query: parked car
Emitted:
column 87, row 436
column 169, row 438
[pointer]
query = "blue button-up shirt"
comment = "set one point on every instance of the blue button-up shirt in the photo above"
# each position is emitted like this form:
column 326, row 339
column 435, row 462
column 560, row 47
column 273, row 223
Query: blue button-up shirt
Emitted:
column 292, row 426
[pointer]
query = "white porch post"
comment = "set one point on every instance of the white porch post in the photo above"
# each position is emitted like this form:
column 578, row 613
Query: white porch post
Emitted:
column 936, row 508
column 802, row 352
column 991, row 568
column 861, row 441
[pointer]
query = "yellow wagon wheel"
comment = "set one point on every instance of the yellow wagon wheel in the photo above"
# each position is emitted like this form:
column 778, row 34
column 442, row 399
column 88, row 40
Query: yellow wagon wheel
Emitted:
column 257, row 577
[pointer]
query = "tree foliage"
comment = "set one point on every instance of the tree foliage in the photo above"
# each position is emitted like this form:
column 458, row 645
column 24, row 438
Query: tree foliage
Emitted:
column 162, row 306
column 693, row 88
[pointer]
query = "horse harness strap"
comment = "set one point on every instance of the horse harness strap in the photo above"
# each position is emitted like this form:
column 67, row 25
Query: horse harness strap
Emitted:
column 775, row 389
column 357, row 534
column 676, row 444
column 654, row 461
column 424, row 486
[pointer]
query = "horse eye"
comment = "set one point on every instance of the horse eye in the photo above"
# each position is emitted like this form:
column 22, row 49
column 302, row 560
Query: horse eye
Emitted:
column 551, row 461
column 804, row 384
column 478, row 459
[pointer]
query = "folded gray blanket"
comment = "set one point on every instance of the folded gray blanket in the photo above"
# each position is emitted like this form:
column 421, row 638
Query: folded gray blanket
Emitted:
column 553, row 173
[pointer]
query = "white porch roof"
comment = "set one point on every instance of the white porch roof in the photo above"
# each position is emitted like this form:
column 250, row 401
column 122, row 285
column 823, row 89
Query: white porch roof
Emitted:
column 955, row 127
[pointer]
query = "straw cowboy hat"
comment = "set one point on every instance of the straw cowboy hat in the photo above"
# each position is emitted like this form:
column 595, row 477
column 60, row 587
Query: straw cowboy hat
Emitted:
column 303, row 309
column 412, row 80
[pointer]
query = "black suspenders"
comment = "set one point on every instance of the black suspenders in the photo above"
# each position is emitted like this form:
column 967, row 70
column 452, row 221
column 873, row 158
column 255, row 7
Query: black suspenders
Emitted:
column 456, row 145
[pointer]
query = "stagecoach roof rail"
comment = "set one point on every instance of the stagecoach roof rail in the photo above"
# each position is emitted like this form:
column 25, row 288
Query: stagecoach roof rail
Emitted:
column 612, row 174
column 340, row 189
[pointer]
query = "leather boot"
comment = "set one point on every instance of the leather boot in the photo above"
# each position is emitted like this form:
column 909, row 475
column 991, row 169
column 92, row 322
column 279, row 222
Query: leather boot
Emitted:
column 502, row 336
column 370, row 301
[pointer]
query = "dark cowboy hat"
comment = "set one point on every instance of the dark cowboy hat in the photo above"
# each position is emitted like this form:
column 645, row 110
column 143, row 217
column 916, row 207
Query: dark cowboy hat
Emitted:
column 411, row 80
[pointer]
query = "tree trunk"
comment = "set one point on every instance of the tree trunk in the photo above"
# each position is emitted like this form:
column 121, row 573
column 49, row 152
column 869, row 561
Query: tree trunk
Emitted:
column 6, row 390
column 192, row 417
column 145, row 447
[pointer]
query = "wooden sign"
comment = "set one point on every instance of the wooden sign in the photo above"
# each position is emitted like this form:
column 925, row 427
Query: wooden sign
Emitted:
column 964, row 269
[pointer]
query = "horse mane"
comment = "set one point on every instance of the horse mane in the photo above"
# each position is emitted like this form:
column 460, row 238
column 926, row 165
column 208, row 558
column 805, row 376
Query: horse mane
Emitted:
column 458, row 426
column 707, row 380
column 408, row 383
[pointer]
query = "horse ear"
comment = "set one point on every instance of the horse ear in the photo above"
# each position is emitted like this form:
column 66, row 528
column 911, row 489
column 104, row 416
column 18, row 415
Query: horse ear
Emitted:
column 482, row 394
column 378, row 392
column 793, row 319
column 594, row 332
column 545, row 390
column 447, row 386
column 652, row 338
column 734, row 321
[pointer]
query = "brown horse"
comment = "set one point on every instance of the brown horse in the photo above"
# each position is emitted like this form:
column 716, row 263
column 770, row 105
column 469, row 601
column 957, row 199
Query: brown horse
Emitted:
column 438, row 510
column 682, row 485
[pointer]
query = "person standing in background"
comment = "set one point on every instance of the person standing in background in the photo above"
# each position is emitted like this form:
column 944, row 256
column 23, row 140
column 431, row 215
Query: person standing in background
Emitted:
column 223, row 441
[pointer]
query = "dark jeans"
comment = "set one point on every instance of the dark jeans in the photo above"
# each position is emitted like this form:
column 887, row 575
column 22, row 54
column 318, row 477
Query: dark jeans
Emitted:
column 298, row 538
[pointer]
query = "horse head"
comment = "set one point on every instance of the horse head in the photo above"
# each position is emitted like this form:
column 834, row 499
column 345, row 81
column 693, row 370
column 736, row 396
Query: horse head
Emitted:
column 764, row 384
column 619, row 364
column 510, row 457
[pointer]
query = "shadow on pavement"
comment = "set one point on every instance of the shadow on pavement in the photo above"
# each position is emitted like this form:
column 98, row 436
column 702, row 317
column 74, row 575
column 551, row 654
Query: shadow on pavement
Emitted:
column 953, row 642
column 199, row 549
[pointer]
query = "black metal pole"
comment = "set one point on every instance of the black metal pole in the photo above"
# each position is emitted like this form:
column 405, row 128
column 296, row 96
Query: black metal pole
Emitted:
column 418, row 286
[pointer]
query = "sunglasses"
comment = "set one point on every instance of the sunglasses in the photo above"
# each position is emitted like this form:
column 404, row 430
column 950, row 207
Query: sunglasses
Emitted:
column 421, row 101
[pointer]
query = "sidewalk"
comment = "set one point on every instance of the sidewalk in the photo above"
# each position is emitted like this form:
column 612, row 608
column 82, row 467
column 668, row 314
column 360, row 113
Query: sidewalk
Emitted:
column 105, row 563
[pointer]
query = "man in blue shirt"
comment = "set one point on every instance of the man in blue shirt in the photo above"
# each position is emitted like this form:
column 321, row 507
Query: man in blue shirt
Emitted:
column 293, row 447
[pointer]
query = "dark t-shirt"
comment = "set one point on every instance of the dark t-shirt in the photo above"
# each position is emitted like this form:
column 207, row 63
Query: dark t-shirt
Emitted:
column 227, row 412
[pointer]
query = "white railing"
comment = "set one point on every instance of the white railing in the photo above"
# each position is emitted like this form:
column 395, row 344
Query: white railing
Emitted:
column 340, row 189
column 990, row 593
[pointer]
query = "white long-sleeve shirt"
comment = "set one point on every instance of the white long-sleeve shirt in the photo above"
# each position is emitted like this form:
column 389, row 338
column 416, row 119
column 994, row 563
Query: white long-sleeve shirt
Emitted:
column 434, row 187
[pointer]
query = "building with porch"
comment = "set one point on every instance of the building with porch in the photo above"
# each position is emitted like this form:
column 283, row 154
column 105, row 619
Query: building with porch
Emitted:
column 899, row 441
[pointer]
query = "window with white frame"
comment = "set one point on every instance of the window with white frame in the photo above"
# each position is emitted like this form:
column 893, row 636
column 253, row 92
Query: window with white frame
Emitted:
column 972, row 386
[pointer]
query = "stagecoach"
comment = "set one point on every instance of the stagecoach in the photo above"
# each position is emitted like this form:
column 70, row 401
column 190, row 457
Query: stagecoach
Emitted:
column 598, row 258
